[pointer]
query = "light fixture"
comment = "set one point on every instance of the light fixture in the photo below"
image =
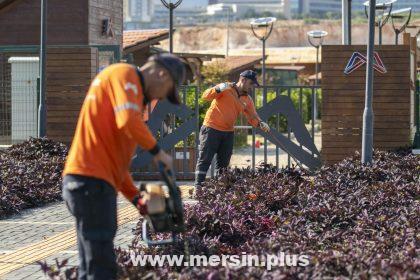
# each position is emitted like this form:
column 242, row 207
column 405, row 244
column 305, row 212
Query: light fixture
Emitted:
column 315, row 38
column 403, row 17
column 383, row 9
column 262, row 28
column 171, row 7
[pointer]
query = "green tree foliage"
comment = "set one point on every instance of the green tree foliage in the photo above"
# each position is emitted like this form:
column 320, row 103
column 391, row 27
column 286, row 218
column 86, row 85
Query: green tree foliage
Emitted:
column 214, row 73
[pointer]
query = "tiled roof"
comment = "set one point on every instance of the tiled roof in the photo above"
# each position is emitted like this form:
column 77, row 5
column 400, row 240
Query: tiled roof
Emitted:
column 236, row 62
column 288, row 68
column 133, row 38
column 276, row 56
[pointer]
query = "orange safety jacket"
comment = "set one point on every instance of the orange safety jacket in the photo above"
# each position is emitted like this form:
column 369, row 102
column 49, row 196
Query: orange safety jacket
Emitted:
column 109, row 128
column 225, row 108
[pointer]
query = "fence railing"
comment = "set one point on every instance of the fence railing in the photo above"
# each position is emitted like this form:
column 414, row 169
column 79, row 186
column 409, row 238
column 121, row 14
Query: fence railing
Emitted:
column 185, row 152
column 303, row 100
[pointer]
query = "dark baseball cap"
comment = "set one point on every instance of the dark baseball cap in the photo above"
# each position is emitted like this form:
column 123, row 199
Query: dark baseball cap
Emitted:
column 252, row 75
column 176, row 69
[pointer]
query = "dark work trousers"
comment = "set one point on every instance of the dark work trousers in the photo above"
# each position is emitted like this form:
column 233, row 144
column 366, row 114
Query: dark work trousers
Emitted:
column 213, row 142
column 93, row 203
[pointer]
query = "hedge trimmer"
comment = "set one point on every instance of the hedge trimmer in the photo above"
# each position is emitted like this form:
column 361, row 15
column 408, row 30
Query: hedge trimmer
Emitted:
column 172, row 219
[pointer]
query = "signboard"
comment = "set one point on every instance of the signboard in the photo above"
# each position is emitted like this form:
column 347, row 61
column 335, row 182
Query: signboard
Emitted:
column 357, row 60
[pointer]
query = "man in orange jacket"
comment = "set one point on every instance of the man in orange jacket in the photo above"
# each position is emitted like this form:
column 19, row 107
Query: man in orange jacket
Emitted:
column 109, row 128
column 228, row 100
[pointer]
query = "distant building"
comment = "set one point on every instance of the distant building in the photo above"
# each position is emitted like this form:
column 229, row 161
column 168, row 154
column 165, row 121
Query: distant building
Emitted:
column 415, row 4
column 137, row 13
column 244, row 6
column 186, row 14
column 321, row 7
column 315, row 7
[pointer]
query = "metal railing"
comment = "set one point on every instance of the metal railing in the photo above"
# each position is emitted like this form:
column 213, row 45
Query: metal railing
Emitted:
column 185, row 152
column 303, row 99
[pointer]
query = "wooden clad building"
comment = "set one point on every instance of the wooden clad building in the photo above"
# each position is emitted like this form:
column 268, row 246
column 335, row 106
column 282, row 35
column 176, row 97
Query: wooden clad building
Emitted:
column 83, row 37
column 344, row 99
column 76, row 22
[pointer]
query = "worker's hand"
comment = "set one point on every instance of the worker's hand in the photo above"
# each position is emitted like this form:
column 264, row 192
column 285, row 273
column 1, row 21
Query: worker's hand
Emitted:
column 264, row 126
column 223, row 86
column 151, row 201
column 164, row 158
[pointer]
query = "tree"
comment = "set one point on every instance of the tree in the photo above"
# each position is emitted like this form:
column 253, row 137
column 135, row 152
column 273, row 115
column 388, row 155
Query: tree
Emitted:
column 214, row 73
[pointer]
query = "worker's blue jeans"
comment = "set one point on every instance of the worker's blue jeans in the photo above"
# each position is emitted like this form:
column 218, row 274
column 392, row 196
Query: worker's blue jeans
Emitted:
column 93, row 203
column 213, row 142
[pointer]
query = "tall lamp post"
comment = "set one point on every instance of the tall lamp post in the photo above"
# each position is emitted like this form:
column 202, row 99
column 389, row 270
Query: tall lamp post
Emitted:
column 262, row 28
column 42, row 71
column 346, row 21
column 367, row 133
column 403, row 15
column 228, row 9
column 382, row 10
column 171, row 7
column 315, row 38
column 416, row 142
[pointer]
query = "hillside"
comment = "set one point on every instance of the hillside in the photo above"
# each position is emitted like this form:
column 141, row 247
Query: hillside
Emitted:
column 285, row 34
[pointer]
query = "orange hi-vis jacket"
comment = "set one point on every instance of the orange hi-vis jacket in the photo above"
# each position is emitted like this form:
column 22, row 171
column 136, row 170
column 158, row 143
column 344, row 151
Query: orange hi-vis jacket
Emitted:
column 225, row 109
column 109, row 128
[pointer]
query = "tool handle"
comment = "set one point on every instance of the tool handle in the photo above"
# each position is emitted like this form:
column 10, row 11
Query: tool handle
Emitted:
column 165, row 170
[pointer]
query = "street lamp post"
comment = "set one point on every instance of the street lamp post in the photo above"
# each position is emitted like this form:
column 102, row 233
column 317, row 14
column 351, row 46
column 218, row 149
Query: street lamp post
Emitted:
column 367, row 134
column 262, row 28
column 400, row 15
column 227, row 30
column 384, row 8
column 42, row 71
column 229, row 8
column 346, row 22
column 171, row 7
column 416, row 142
column 315, row 38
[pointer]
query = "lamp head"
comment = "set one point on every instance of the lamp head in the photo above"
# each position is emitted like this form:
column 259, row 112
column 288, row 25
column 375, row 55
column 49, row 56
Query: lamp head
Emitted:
column 262, row 27
column 316, row 37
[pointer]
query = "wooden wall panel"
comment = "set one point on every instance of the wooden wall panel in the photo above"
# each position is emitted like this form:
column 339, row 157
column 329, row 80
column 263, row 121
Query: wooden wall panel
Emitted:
column 105, row 9
column 67, row 22
column 66, row 88
column 344, row 99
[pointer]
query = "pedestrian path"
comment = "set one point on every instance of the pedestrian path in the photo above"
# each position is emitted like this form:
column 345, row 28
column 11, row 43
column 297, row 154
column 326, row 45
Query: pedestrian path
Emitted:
column 47, row 233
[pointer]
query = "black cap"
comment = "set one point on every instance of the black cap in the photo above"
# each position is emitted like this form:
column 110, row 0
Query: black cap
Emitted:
column 176, row 69
column 252, row 75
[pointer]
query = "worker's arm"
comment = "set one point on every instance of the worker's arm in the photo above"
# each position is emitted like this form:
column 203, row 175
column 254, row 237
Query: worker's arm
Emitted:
column 127, row 188
column 127, row 100
column 216, row 91
column 253, row 118
column 251, row 114
column 146, row 203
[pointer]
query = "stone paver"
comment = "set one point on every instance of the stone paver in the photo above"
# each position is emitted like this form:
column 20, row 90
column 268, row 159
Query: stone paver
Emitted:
column 35, row 225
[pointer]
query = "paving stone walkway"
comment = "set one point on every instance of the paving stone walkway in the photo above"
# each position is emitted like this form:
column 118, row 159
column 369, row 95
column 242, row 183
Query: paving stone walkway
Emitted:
column 47, row 233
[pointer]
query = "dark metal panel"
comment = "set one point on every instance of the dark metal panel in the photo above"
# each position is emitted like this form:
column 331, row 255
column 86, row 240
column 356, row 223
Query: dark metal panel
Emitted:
column 284, row 105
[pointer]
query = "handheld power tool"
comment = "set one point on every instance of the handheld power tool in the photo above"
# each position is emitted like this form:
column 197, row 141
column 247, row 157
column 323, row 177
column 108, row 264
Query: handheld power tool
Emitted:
column 172, row 219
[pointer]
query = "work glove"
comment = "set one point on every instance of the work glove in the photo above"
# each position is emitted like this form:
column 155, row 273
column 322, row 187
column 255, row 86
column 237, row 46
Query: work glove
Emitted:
column 151, row 200
column 223, row 86
column 264, row 127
